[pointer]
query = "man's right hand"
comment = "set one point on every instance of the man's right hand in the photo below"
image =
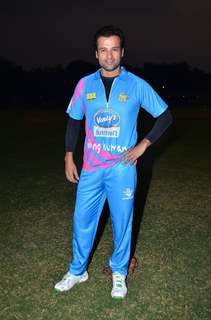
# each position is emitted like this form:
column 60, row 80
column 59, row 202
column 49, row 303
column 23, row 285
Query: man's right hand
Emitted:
column 70, row 168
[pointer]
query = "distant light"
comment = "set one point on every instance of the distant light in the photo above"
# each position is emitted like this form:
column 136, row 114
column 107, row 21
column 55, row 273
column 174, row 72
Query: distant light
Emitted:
column 163, row 86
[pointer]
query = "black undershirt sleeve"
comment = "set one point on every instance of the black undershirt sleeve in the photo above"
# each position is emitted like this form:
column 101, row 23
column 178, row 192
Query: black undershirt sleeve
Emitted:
column 71, row 135
column 161, row 124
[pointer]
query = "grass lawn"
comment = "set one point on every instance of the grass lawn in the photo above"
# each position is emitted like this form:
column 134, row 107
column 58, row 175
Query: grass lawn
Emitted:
column 173, row 277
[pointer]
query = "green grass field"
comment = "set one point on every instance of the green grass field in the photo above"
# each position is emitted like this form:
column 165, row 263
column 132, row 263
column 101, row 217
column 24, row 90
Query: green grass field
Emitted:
column 173, row 277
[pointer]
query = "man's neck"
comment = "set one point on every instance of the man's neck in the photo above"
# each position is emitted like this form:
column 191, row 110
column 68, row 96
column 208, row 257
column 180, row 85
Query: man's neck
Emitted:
column 110, row 74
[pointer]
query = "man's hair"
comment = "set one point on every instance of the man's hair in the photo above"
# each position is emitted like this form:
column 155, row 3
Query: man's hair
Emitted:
column 108, row 31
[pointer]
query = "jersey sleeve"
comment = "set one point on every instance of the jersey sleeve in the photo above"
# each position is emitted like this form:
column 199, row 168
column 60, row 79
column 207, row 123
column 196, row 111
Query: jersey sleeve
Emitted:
column 150, row 100
column 76, row 108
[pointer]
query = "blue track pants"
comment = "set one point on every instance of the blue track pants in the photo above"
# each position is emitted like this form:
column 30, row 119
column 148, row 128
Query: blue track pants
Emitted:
column 117, row 184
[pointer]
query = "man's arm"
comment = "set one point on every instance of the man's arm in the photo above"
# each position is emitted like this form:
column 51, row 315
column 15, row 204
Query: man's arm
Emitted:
column 71, row 137
column 160, row 126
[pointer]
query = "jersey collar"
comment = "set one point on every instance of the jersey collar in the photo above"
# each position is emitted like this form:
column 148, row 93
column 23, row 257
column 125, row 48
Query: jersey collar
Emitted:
column 123, row 74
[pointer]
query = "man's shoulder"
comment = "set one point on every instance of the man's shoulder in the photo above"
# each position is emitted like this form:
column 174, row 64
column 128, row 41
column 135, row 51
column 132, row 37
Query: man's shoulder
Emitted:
column 89, row 77
column 134, row 76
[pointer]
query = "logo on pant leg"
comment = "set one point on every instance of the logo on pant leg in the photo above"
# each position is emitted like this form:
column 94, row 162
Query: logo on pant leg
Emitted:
column 127, row 194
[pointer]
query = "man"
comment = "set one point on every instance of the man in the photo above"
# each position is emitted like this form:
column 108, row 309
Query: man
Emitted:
column 110, row 100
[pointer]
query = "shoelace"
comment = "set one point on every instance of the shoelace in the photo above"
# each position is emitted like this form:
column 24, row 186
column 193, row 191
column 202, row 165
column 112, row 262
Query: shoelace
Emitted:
column 118, row 281
column 66, row 276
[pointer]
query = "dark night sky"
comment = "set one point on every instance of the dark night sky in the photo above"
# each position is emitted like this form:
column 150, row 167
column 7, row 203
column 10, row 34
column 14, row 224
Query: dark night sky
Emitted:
column 49, row 32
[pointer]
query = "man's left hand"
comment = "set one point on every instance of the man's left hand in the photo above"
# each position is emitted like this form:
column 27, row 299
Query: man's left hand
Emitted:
column 131, row 155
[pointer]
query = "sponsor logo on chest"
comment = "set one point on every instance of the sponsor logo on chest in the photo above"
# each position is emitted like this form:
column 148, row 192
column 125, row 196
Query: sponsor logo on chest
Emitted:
column 123, row 97
column 91, row 96
column 107, row 123
column 107, row 118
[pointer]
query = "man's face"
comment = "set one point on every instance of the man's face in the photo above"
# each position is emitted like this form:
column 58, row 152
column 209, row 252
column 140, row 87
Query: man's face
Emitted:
column 109, row 54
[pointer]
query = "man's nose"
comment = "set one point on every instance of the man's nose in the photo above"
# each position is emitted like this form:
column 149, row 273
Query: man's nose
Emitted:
column 110, row 54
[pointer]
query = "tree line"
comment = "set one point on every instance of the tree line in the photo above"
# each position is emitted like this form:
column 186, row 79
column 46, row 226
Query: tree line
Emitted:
column 177, row 83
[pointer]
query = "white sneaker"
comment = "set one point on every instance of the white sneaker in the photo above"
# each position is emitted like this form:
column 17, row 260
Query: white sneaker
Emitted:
column 119, row 289
column 69, row 280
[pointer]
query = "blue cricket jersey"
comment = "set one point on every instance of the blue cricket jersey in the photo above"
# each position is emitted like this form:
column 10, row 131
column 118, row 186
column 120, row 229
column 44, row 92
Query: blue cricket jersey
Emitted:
column 111, row 126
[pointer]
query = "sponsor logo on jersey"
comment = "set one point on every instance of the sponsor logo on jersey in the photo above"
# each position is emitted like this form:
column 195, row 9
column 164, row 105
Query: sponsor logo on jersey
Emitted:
column 123, row 97
column 127, row 194
column 107, row 147
column 106, row 123
column 91, row 95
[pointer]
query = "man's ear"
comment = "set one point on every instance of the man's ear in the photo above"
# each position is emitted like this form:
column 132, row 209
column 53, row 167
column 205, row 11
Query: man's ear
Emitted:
column 123, row 51
column 96, row 54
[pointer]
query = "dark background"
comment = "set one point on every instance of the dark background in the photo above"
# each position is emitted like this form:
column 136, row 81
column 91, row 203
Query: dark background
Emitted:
column 46, row 46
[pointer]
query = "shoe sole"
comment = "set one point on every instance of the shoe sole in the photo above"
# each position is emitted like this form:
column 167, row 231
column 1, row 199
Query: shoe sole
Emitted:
column 118, row 298
column 78, row 282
